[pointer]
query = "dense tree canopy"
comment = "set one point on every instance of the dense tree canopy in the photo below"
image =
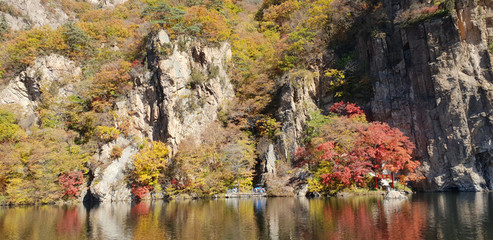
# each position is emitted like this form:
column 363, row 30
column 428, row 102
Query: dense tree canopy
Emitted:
column 343, row 148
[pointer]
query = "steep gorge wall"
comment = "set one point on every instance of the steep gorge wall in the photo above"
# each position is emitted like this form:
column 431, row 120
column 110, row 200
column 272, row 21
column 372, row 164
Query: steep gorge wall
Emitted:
column 434, row 81
column 176, row 95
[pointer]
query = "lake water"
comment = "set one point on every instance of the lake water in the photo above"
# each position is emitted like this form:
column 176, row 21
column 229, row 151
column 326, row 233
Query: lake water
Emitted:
column 424, row 216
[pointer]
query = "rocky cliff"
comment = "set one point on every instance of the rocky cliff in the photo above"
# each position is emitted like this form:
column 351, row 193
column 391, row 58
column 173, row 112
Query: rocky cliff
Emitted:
column 178, row 93
column 433, row 79
column 30, row 13
column 47, row 73
column 175, row 96
column 181, row 92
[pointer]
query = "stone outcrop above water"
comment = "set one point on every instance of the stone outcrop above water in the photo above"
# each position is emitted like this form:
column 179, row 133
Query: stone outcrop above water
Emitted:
column 109, row 183
column 393, row 194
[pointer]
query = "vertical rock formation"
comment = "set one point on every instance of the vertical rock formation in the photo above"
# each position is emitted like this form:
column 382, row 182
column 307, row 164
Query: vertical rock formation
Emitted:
column 433, row 80
column 183, row 90
column 179, row 94
column 295, row 103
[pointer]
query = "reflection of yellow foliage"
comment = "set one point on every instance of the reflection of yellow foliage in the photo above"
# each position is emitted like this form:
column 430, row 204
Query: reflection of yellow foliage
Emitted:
column 193, row 219
column 149, row 225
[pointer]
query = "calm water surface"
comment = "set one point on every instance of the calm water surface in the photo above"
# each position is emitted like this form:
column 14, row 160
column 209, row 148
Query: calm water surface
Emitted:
column 425, row 216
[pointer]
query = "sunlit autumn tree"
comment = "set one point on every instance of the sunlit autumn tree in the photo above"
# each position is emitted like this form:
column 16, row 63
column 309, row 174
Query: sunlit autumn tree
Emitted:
column 343, row 148
column 223, row 158
column 150, row 164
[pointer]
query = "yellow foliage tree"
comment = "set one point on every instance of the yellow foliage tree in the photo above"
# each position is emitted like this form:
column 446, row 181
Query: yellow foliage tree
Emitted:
column 150, row 163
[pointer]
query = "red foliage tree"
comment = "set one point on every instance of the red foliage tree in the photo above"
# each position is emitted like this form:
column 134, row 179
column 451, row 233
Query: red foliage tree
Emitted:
column 346, row 109
column 71, row 183
column 141, row 192
column 347, row 149
column 386, row 148
column 346, row 167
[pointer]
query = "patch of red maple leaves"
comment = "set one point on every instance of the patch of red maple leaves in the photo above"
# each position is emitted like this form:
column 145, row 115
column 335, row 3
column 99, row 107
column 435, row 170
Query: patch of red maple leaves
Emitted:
column 377, row 147
column 346, row 109
column 71, row 183
column 141, row 192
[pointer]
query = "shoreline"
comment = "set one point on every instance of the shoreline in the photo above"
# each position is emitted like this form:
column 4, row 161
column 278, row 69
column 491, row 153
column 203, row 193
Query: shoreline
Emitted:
column 182, row 197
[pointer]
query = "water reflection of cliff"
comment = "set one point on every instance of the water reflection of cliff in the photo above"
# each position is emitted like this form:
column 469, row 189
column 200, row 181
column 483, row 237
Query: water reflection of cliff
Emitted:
column 472, row 216
column 425, row 216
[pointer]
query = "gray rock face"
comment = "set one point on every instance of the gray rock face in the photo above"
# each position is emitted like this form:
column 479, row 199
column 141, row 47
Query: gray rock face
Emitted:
column 31, row 13
column 183, row 91
column 295, row 103
column 270, row 166
column 109, row 184
column 433, row 80
column 25, row 89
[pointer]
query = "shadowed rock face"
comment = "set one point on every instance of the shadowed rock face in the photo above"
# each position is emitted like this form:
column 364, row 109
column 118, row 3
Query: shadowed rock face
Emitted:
column 433, row 80
column 24, row 91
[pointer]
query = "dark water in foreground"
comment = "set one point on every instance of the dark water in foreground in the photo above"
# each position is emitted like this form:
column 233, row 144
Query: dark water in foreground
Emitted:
column 425, row 216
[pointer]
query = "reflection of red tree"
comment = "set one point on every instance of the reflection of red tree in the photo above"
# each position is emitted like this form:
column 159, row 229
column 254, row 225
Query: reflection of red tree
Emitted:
column 141, row 192
column 141, row 208
column 69, row 223
column 409, row 222
column 366, row 221
column 355, row 222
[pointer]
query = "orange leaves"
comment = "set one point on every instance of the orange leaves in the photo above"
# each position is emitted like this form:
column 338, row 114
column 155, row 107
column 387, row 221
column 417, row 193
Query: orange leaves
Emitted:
column 280, row 13
column 213, row 25
column 386, row 147
column 109, row 31
column 113, row 80
column 27, row 45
